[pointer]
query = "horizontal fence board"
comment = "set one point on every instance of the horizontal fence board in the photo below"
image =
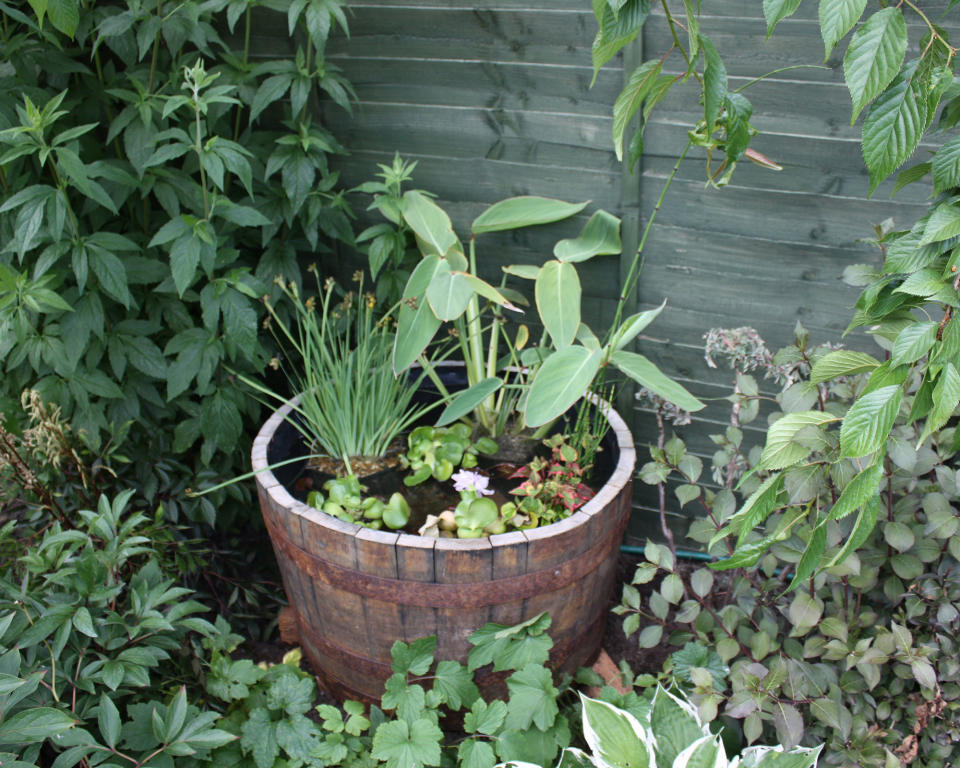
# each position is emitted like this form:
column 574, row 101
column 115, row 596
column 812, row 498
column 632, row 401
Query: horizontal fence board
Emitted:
column 462, row 131
column 548, row 36
column 791, row 217
column 490, row 85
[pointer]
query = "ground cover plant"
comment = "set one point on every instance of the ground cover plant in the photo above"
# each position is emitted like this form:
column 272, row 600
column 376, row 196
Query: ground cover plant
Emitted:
column 154, row 179
column 831, row 615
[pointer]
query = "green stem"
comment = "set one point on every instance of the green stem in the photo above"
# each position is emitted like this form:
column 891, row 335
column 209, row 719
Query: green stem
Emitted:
column 676, row 40
column 155, row 55
column 62, row 189
column 474, row 362
column 246, row 59
column 934, row 34
column 639, row 258
column 198, row 148
column 756, row 80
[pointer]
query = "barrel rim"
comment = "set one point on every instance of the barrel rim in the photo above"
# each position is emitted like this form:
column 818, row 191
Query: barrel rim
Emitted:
column 608, row 492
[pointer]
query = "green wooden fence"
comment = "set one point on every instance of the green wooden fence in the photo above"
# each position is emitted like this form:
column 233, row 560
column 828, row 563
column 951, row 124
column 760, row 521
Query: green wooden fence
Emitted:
column 492, row 99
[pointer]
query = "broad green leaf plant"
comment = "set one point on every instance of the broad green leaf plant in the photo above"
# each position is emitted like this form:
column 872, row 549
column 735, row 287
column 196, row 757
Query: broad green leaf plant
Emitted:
column 541, row 380
column 154, row 179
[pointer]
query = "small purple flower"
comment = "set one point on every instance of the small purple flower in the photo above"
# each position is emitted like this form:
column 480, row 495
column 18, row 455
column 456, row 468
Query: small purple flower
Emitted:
column 465, row 480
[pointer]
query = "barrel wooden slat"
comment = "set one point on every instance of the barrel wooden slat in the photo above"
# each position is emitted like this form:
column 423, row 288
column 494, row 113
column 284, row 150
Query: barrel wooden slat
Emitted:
column 355, row 591
column 415, row 563
column 509, row 559
column 461, row 561
column 377, row 555
column 341, row 615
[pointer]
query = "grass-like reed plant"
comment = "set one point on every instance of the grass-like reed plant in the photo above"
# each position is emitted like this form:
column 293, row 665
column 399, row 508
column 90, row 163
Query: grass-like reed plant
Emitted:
column 336, row 355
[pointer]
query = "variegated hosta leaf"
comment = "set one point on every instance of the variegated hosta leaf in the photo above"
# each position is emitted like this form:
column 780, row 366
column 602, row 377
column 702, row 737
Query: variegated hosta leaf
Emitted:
column 615, row 737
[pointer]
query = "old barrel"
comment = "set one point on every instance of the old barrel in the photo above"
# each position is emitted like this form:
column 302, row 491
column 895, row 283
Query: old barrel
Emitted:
column 355, row 591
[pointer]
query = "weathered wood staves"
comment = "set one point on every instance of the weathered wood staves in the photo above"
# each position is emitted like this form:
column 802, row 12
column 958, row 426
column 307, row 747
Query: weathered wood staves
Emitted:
column 354, row 591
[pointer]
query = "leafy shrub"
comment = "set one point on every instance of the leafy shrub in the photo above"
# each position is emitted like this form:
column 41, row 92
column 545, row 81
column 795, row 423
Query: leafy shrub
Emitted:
column 834, row 616
column 269, row 707
column 148, row 198
column 98, row 647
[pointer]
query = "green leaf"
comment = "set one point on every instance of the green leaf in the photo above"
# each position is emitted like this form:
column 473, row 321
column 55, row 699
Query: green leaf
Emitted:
column 714, row 83
column 524, row 271
column 812, row 554
column 475, row 754
column 416, row 325
column 511, row 647
column 858, row 492
column 557, row 292
column 615, row 737
column 650, row 636
column 108, row 720
column 789, row 724
column 673, row 721
column 780, row 450
column 946, row 166
column 407, row 746
column 600, row 236
column 271, row 89
column 414, row 658
column 924, row 282
column 64, row 15
column 943, row 224
column 911, row 175
column 561, row 381
column 84, row 622
column 111, row 274
column 527, row 211
column 869, row 421
column 618, row 25
column 841, row 362
column 469, row 399
column 913, row 342
column 259, row 737
column 184, row 259
column 533, row 698
column 34, row 725
column 775, row 11
column 645, row 373
column 837, row 17
column 485, row 718
column 449, row 292
column 946, row 397
column 874, row 57
column 455, row 684
column 894, row 125
column 220, row 421
column 634, row 325
column 628, row 102
column 754, row 511
column 805, row 611
column 430, row 223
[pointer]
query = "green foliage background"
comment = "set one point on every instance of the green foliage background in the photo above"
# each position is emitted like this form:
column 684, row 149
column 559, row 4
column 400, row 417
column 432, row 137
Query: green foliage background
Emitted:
column 147, row 202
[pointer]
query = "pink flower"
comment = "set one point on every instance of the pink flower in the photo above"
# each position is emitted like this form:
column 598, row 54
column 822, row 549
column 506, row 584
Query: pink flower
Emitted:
column 465, row 480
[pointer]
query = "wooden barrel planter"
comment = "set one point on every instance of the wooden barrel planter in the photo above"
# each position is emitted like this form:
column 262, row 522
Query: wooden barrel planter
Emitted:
column 355, row 591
